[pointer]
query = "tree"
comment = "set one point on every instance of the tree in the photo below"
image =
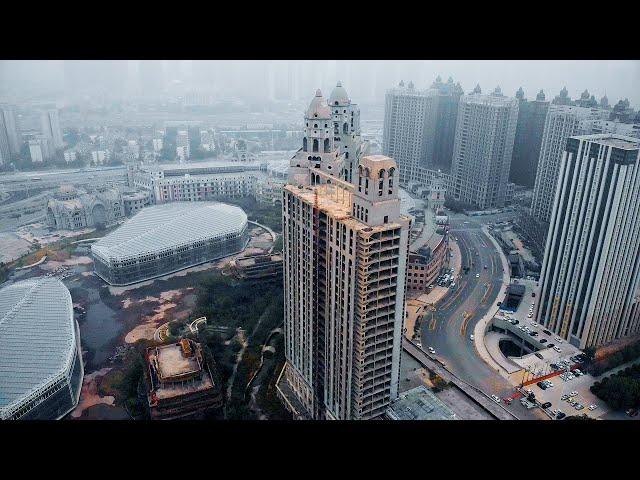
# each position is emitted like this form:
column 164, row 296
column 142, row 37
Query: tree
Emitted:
column 590, row 354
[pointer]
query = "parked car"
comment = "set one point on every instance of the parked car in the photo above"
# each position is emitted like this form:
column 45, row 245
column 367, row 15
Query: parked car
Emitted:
column 593, row 407
column 573, row 394
column 431, row 350
column 564, row 397
column 543, row 340
column 495, row 398
column 560, row 415
column 539, row 356
column 546, row 405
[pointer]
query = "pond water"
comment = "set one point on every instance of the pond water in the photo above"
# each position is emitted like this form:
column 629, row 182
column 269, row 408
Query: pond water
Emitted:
column 99, row 330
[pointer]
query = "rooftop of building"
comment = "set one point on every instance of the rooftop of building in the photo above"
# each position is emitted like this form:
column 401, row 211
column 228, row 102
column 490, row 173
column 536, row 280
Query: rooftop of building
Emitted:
column 178, row 373
column 37, row 337
column 516, row 289
column 489, row 99
column 170, row 225
column 419, row 404
column 336, row 202
column 621, row 142
column 259, row 259
column 174, row 361
column 210, row 164
column 203, row 177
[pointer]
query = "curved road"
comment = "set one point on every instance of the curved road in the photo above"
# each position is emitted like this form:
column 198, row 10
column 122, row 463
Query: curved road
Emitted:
column 447, row 329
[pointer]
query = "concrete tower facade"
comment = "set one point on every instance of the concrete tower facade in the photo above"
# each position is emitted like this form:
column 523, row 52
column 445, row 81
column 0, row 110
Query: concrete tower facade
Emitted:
column 345, row 256
column 10, row 127
column 590, row 281
column 526, row 149
column 50, row 122
column 410, row 118
column 562, row 122
column 483, row 147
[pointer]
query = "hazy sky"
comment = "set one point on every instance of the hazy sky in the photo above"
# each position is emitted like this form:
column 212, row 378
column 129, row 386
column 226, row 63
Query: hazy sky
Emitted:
column 282, row 79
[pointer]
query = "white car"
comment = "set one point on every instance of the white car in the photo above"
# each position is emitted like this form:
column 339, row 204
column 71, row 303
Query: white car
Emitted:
column 495, row 398
column 477, row 275
column 431, row 350
column 471, row 337
column 558, row 339
column 530, row 315
column 573, row 394
column 593, row 407
column 557, row 349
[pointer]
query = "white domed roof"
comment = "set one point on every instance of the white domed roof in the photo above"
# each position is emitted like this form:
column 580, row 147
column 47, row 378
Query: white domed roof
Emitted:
column 339, row 94
column 318, row 108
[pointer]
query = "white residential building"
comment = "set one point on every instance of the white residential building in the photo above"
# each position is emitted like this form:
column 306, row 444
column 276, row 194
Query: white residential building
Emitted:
column 485, row 133
column 183, row 150
column 409, row 128
column 590, row 281
column 562, row 122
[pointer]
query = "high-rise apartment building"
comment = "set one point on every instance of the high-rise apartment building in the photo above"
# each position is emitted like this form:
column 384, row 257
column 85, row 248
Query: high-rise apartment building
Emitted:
column 590, row 281
column 448, row 99
column 8, row 123
column 562, row 122
column 183, row 149
column 410, row 118
column 526, row 147
column 483, row 146
column 50, row 122
column 345, row 255
column 5, row 150
column 39, row 149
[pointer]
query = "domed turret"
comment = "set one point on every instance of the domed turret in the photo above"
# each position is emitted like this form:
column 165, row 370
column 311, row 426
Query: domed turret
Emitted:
column 564, row 92
column 520, row 94
column 450, row 80
column 540, row 97
column 401, row 84
column 497, row 92
column 604, row 101
column 585, row 95
column 318, row 108
column 410, row 86
column 339, row 96
column 477, row 90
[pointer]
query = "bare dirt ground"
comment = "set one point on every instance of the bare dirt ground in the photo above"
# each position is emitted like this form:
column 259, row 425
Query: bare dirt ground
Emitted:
column 89, row 395
column 164, row 311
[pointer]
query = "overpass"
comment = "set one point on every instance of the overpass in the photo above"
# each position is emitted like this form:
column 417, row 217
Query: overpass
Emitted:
column 482, row 399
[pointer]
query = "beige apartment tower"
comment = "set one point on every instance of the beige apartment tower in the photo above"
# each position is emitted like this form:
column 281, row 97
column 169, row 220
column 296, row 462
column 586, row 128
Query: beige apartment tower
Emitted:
column 345, row 256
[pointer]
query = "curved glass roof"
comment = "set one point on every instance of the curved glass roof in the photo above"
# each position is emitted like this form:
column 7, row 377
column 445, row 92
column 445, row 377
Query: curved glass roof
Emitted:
column 37, row 335
column 170, row 225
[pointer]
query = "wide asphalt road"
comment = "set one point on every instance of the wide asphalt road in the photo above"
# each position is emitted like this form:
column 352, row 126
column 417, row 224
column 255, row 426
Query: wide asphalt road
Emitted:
column 447, row 329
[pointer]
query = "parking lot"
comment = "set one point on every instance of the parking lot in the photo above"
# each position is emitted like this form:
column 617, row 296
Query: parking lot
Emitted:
column 548, row 361
column 574, row 389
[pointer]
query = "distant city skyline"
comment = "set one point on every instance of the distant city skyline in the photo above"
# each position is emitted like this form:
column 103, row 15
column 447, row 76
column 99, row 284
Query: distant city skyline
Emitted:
column 295, row 79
